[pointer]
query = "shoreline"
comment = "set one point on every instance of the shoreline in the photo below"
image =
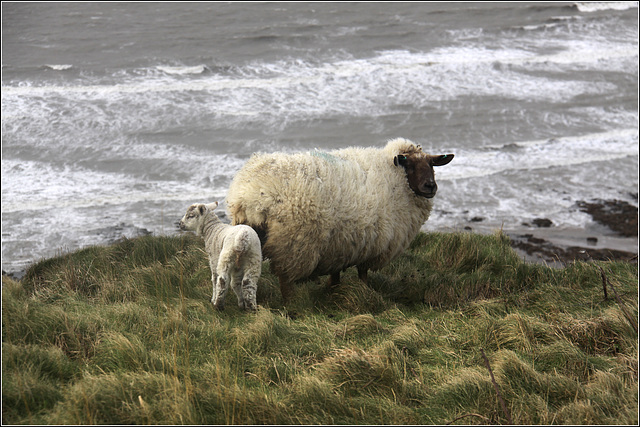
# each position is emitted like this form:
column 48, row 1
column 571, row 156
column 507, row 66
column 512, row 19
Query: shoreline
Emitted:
column 612, row 236
column 558, row 247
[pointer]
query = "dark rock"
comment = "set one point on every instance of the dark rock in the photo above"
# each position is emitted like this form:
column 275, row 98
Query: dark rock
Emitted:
column 617, row 215
column 549, row 252
column 542, row 222
column 15, row 275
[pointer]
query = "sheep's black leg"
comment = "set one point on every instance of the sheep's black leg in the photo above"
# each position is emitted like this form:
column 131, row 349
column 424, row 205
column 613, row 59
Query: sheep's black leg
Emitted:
column 334, row 280
column 362, row 274
column 285, row 290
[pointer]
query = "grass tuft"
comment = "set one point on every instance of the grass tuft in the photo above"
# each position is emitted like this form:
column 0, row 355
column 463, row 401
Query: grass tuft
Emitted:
column 125, row 334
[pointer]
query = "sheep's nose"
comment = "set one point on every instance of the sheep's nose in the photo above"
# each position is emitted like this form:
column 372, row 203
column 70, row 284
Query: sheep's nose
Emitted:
column 430, row 189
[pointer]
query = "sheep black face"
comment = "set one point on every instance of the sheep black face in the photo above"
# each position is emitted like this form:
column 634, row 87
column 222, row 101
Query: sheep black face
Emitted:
column 419, row 169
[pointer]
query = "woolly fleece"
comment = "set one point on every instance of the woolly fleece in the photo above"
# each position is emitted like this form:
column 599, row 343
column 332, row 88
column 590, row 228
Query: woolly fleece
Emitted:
column 324, row 212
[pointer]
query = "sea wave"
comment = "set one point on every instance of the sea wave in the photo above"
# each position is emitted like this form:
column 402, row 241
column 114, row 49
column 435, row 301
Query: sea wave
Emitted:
column 40, row 185
column 610, row 5
column 543, row 154
column 443, row 67
column 33, row 185
column 60, row 67
column 267, row 95
column 183, row 70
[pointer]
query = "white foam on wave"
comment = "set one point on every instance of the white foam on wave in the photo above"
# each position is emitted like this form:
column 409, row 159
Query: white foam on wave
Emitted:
column 37, row 185
column 439, row 74
column 183, row 70
column 609, row 5
column 513, row 197
column 543, row 154
column 368, row 87
column 31, row 185
column 61, row 205
column 507, row 185
column 60, row 67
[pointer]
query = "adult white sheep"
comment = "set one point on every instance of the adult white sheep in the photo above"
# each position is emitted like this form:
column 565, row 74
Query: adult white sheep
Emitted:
column 318, row 213
column 235, row 255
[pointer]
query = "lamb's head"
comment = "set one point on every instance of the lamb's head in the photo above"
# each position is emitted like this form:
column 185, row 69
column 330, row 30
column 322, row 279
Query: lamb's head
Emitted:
column 419, row 169
column 194, row 218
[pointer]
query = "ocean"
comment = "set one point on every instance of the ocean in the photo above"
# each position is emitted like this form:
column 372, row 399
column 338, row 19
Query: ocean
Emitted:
column 117, row 116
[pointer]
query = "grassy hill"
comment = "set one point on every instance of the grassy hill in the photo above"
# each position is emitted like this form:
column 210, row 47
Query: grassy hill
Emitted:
column 125, row 334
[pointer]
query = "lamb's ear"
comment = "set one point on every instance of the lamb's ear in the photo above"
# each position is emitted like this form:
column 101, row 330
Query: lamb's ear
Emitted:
column 400, row 160
column 212, row 206
column 442, row 160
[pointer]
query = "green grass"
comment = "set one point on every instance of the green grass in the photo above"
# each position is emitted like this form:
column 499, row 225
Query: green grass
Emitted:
column 125, row 334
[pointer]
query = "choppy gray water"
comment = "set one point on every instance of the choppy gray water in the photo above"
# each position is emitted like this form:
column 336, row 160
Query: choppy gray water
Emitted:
column 122, row 114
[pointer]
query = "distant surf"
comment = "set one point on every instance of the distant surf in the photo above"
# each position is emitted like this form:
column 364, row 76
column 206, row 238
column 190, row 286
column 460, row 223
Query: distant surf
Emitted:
column 118, row 120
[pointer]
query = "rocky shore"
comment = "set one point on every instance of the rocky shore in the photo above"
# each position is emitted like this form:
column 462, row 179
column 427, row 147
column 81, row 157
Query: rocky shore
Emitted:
column 612, row 236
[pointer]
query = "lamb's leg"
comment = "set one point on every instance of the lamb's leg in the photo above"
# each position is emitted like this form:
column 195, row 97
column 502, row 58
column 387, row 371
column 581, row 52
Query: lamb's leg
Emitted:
column 249, row 289
column 214, row 291
column 223, row 286
column 236, row 285
column 250, row 286
column 213, row 265
column 224, row 271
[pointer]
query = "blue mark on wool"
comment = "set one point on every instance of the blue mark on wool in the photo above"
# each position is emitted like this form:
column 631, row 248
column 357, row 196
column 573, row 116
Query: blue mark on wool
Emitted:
column 326, row 156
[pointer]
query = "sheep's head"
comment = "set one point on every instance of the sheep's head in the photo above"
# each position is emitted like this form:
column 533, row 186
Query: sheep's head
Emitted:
column 419, row 169
column 194, row 218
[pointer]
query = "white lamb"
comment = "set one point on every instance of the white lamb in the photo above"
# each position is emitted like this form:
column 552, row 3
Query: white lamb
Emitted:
column 321, row 212
column 235, row 255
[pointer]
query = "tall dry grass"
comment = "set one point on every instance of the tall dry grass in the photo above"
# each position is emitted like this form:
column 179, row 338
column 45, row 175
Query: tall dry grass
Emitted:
column 126, row 334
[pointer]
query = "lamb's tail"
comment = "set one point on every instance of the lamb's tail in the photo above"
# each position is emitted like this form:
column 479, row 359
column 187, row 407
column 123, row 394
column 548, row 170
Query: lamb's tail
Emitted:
column 240, row 245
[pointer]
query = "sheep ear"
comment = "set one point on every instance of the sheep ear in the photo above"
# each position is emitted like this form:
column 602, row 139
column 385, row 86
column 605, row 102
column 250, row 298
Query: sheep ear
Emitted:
column 202, row 209
column 442, row 160
column 400, row 160
column 212, row 206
